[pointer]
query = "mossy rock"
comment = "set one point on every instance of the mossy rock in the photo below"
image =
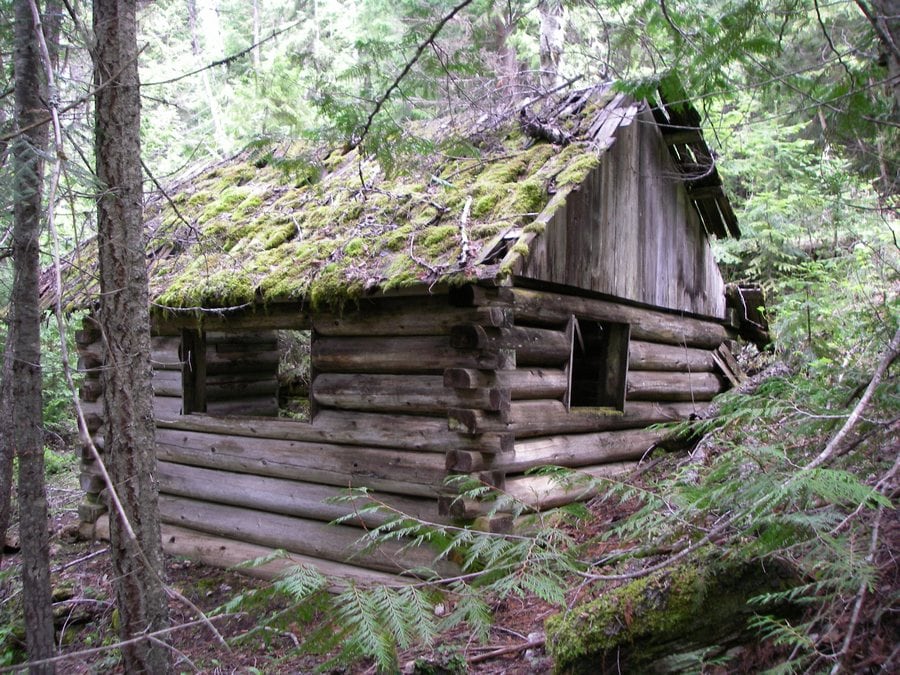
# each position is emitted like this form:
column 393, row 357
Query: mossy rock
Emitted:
column 641, row 625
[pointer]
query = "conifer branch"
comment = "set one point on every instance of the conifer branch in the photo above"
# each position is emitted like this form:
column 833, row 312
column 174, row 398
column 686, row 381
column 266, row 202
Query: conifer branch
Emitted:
column 360, row 137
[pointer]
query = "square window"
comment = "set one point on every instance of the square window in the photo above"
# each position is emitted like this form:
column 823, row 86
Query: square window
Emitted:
column 258, row 373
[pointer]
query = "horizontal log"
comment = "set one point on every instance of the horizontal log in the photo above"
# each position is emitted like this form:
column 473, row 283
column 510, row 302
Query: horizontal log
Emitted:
column 522, row 383
column 288, row 497
column 217, row 551
column 549, row 417
column 90, row 365
column 398, row 472
column 400, row 393
column 245, row 340
column 401, row 432
column 406, row 318
column 286, row 316
column 548, row 308
column 533, row 346
column 258, row 406
column 166, row 407
column 218, row 387
column 651, row 385
column 86, row 336
column 574, row 450
column 471, row 421
column 540, row 493
column 426, row 354
column 90, row 390
column 467, row 461
column 655, row 356
column 248, row 389
column 164, row 352
column 239, row 362
column 298, row 535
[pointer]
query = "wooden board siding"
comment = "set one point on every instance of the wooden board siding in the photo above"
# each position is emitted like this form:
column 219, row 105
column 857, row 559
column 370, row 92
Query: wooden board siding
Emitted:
column 630, row 231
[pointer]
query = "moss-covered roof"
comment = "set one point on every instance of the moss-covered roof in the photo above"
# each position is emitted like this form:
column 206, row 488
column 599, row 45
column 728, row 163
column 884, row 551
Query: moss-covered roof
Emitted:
column 286, row 225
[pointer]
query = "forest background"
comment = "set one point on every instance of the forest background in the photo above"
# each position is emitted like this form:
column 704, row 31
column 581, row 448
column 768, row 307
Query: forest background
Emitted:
column 801, row 101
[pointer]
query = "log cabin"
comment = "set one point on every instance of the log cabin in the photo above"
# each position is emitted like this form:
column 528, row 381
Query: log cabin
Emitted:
column 536, row 291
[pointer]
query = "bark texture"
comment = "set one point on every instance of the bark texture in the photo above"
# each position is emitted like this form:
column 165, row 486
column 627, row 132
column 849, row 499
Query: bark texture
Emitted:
column 125, row 325
column 24, row 388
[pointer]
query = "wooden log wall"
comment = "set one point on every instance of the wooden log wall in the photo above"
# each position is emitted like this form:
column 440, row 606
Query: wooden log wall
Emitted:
column 380, row 423
column 671, row 372
column 405, row 392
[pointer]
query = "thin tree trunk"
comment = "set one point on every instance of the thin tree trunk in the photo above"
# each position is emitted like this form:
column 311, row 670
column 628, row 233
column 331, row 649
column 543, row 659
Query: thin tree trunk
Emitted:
column 7, row 451
column 551, row 42
column 25, row 373
column 125, row 322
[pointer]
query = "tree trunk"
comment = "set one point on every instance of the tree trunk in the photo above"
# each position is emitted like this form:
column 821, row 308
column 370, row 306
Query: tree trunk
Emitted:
column 24, row 413
column 125, row 323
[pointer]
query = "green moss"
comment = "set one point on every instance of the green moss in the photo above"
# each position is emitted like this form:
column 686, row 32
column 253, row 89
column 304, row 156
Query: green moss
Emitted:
column 530, row 197
column 247, row 207
column 226, row 202
column 222, row 288
column 439, row 238
column 485, row 204
column 355, row 247
column 578, row 169
column 658, row 605
column 398, row 239
column 537, row 227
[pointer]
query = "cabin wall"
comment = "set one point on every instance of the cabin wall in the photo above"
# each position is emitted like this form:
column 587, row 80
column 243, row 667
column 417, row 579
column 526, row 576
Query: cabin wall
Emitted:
column 671, row 373
column 630, row 231
column 405, row 392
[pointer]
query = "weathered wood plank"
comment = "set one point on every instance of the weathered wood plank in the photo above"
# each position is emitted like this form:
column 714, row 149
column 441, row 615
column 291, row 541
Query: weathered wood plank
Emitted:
column 533, row 306
column 287, row 497
column 395, row 471
column 401, row 393
column 533, row 346
column 225, row 552
column 408, row 317
column 540, row 493
column 528, row 419
column 259, row 406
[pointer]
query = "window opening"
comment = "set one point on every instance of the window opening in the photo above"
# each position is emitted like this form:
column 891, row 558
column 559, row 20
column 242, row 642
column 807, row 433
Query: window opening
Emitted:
column 258, row 373
column 598, row 364
column 294, row 374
